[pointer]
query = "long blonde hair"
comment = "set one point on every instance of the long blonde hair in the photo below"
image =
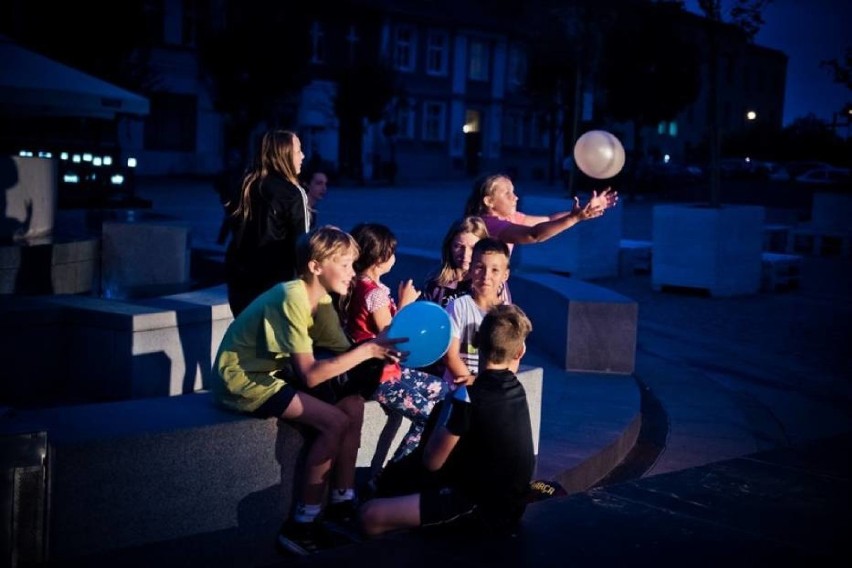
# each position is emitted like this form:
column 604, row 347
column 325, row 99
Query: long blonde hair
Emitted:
column 276, row 156
column 449, row 273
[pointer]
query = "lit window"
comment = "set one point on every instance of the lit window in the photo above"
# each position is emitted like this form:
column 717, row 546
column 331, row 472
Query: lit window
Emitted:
column 436, row 53
column 471, row 121
column 478, row 63
column 673, row 128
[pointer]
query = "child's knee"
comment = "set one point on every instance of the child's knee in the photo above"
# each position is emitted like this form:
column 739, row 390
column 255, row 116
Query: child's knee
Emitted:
column 368, row 518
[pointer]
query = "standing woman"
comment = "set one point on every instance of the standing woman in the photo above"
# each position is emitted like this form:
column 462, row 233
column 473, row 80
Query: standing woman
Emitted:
column 271, row 215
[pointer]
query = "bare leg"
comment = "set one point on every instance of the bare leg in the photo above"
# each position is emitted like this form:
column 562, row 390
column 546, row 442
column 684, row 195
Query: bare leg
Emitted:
column 379, row 516
column 331, row 425
column 347, row 456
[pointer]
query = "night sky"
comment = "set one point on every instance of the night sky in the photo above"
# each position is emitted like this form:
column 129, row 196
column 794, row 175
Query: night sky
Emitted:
column 808, row 31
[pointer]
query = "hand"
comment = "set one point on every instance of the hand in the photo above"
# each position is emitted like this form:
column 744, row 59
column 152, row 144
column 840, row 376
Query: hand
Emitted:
column 465, row 380
column 384, row 347
column 605, row 199
column 407, row 293
column 589, row 211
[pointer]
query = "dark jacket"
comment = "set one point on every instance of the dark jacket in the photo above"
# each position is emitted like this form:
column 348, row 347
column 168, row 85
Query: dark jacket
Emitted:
column 263, row 250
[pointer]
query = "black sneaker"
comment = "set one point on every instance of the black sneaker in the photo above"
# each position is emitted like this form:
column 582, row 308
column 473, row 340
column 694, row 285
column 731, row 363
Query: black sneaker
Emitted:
column 302, row 539
column 340, row 520
column 343, row 512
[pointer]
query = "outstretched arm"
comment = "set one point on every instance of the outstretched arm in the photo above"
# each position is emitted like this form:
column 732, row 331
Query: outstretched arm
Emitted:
column 556, row 223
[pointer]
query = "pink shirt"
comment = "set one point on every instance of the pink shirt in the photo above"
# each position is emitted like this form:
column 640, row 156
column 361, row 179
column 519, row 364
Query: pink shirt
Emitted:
column 495, row 225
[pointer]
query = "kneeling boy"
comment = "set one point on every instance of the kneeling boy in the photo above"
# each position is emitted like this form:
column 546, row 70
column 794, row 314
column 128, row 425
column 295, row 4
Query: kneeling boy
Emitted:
column 476, row 459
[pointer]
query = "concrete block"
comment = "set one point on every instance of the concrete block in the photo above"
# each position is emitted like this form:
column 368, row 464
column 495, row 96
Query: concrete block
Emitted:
column 155, row 347
column 715, row 249
column 588, row 327
column 634, row 257
column 143, row 259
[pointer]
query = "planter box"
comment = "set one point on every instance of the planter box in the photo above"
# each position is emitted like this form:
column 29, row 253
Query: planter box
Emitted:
column 715, row 249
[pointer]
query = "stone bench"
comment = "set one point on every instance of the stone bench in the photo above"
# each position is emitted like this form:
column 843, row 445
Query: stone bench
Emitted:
column 135, row 472
column 112, row 349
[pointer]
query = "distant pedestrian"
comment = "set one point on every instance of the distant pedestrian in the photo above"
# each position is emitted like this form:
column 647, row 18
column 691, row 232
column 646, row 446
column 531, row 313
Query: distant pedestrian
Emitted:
column 271, row 215
column 316, row 185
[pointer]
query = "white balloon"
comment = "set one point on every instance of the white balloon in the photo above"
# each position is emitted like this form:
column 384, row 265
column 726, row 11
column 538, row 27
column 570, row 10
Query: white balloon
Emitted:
column 599, row 154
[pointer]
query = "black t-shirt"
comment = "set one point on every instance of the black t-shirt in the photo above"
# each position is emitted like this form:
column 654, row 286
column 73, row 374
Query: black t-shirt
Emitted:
column 492, row 462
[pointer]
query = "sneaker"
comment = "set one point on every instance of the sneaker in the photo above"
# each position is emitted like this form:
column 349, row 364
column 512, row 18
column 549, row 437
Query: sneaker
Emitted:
column 340, row 520
column 343, row 512
column 302, row 539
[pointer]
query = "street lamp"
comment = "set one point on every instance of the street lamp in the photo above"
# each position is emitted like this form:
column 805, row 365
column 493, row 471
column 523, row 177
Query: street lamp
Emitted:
column 751, row 116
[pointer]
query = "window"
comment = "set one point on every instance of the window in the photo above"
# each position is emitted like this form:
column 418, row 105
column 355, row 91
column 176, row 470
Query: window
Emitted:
column 317, row 43
column 471, row 121
column 405, row 118
column 517, row 67
column 513, row 129
column 172, row 123
column 478, row 62
column 404, row 48
column 434, row 121
column 437, row 53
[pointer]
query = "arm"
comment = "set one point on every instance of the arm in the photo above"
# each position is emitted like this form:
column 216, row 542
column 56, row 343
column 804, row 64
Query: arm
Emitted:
column 552, row 226
column 438, row 448
column 314, row 372
column 453, row 423
column 454, row 364
column 407, row 293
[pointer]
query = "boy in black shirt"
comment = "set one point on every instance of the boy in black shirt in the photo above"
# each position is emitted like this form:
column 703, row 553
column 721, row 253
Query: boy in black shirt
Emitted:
column 476, row 459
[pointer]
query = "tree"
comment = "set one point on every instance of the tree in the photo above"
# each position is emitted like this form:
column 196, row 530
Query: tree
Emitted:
column 841, row 70
column 254, row 62
column 564, row 56
column 363, row 94
column 651, row 71
column 747, row 16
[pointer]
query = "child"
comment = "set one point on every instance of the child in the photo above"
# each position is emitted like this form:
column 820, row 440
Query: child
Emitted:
column 489, row 270
column 477, row 458
column 493, row 198
column 265, row 367
column 369, row 310
column 269, row 217
column 452, row 279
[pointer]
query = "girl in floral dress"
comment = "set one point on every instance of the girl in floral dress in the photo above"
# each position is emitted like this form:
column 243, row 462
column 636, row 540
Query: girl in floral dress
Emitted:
column 367, row 310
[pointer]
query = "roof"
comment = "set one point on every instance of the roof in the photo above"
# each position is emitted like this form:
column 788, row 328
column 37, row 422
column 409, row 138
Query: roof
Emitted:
column 34, row 85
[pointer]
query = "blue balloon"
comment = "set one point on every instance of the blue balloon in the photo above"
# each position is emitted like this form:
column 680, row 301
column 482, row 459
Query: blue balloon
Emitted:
column 428, row 329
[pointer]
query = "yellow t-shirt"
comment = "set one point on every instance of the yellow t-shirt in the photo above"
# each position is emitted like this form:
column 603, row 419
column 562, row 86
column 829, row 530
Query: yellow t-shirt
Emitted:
column 261, row 339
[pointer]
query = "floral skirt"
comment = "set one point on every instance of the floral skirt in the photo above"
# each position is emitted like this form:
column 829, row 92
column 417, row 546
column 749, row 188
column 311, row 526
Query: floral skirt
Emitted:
column 413, row 395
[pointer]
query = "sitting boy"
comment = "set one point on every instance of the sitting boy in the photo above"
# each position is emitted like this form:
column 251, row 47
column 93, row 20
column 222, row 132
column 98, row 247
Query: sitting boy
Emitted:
column 489, row 271
column 476, row 460
column 265, row 367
